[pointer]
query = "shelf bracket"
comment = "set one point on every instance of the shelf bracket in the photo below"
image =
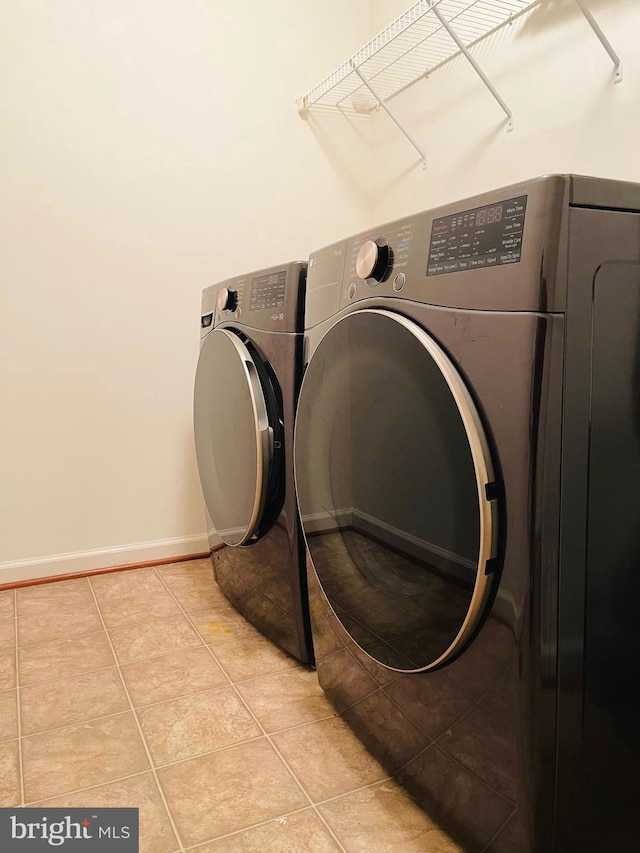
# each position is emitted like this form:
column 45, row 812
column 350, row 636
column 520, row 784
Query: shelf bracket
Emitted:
column 475, row 66
column 617, row 62
column 393, row 118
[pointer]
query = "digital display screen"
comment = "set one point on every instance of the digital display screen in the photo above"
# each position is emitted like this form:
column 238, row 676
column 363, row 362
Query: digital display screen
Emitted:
column 487, row 215
column 481, row 237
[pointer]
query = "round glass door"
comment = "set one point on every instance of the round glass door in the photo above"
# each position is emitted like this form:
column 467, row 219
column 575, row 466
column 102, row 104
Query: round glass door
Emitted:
column 233, row 436
column 396, row 490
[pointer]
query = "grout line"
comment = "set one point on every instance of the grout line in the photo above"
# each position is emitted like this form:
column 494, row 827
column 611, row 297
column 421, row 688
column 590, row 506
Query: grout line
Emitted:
column 302, row 725
column 237, row 832
column 211, row 689
column 73, row 675
column 62, row 794
column 366, row 787
column 140, row 732
column 89, row 787
column 105, row 632
column 77, row 723
column 18, row 702
column 268, row 737
column 56, row 639
column 499, row 831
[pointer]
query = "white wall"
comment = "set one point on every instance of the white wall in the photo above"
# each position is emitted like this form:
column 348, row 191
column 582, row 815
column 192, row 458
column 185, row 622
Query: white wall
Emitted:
column 554, row 74
column 148, row 149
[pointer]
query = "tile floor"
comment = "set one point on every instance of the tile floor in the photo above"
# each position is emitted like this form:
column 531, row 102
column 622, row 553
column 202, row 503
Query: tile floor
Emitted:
column 147, row 688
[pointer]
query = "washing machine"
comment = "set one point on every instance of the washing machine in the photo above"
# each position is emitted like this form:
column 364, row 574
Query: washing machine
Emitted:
column 467, row 457
column 246, row 388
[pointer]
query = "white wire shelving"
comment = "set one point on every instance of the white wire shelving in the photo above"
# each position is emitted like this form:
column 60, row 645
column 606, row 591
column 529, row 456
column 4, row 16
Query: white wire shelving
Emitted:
column 426, row 36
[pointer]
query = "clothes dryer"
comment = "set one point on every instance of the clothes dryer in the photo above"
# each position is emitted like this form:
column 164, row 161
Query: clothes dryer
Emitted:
column 468, row 470
column 246, row 387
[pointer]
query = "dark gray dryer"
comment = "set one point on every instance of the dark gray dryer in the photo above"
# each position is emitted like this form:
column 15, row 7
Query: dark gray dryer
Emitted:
column 468, row 470
column 246, row 387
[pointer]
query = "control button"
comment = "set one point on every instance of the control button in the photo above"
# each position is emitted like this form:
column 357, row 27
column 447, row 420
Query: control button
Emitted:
column 373, row 260
column 227, row 299
column 399, row 282
column 351, row 292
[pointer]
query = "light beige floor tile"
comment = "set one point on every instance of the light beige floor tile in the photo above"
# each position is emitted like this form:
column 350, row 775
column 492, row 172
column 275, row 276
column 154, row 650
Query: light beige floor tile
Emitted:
column 9, row 774
column 79, row 756
column 54, row 704
column 173, row 675
column 203, row 561
column 195, row 597
column 177, row 576
column 286, row 699
column 132, row 597
column 194, row 587
column 8, row 715
column 384, row 818
column 7, row 605
column 192, row 725
column 154, row 638
column 222, row 624
column 7, row 670
column 141, row 792
column 252, row 656
column 115, row 586
column 7, row 633
column 229, row 790
column 61, row 658
column 59, row 622
column 439, row 842
column 134, row 609
column 42, row 599
column 178, row 573
column 302, row 832
column 328, row 758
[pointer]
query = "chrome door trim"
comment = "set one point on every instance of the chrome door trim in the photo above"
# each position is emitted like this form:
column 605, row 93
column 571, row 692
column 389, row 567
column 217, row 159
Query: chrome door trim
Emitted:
column 484, row 472
column 263, row 434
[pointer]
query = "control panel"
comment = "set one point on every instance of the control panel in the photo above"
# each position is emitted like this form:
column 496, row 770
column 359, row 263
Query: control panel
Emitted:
column 269, row 299
column 268, row 291
column 501, row 250
column 486, row 236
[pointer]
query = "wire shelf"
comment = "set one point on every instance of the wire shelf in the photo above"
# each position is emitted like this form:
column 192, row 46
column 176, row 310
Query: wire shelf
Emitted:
column 428, row 34
column 411, row 46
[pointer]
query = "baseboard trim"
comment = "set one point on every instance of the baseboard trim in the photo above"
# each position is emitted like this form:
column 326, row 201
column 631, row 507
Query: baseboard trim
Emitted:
column 413, row 546
column 86, row 563
column 328, row 522
column 400, row 541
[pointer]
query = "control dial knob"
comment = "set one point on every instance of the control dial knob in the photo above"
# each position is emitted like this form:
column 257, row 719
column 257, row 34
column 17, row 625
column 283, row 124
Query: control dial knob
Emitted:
column 374, row 260
column 227, row 299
